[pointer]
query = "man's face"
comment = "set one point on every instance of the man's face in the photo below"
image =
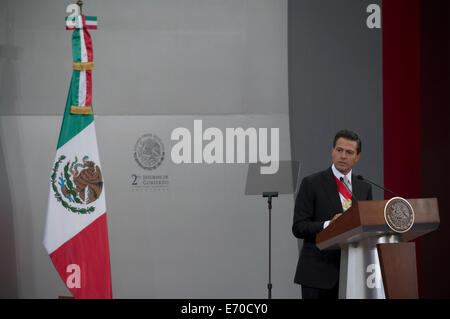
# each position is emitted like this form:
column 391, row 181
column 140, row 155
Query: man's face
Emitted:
column 344, row 155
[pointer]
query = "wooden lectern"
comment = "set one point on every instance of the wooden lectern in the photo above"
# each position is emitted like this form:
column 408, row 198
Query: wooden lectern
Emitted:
column 376, row 261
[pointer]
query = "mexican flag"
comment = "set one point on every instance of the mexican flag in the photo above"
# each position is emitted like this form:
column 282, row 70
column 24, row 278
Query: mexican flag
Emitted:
column 76, row 234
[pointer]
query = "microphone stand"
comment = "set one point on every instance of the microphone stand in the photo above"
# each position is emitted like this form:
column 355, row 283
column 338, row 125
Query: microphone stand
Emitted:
column 269, row 196
column 370, row 182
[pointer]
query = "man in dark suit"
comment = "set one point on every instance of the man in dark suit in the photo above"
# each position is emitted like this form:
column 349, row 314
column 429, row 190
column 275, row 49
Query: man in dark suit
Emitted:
column 323, row 197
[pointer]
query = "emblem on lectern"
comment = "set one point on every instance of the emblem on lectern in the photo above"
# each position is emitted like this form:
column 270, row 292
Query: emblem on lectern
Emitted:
column 399, row 214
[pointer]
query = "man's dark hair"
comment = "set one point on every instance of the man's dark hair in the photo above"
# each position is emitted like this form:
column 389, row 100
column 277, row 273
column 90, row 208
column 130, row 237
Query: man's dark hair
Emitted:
column 348, row 135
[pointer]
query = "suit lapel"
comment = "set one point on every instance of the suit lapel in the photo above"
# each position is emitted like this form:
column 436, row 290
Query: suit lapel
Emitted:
column 332, row 190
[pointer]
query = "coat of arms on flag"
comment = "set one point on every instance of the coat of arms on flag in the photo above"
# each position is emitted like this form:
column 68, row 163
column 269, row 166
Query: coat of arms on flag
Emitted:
column 76, row 235
column 72, row 187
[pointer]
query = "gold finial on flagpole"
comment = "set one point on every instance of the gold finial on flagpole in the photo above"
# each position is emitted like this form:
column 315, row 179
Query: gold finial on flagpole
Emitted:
column 80, row 4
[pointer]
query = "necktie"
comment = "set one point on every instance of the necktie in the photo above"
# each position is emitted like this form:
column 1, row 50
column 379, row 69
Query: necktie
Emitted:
column 347, row 182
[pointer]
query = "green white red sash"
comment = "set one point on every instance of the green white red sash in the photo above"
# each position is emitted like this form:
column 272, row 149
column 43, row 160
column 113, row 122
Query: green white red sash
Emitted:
column 344, row 194
column 83, row 62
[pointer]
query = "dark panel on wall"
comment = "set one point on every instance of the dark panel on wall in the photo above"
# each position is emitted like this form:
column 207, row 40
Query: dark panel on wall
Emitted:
column 401, row 96
column 8, row 265
column 435, row 141
column 335, row 82
column 401, row 99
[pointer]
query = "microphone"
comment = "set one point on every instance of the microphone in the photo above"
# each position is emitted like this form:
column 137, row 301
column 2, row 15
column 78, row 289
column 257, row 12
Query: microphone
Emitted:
column 353, row 196
column 370, row 182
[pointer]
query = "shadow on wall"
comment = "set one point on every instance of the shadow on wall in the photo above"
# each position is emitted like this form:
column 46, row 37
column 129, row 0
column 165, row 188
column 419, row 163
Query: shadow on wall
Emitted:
column 9, row 54
column 8, row 265
column 8, row 95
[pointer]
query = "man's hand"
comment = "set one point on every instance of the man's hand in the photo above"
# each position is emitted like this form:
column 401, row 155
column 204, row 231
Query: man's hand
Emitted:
column 335, row 217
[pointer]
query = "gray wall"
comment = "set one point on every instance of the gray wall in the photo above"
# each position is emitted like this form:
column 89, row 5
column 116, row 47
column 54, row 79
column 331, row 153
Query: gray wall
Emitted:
column 201, row 237
column 160, row 65
column 335, row 82
column 151, row 57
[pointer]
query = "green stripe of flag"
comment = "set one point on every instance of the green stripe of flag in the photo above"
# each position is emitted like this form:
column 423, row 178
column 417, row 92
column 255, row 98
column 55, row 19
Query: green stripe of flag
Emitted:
column 75, row 82
column 74, row 88
column 72, row 123
column 76, row 45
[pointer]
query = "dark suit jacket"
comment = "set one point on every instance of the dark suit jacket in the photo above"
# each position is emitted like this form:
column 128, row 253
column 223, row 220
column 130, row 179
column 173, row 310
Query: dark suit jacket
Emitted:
column 318, row 201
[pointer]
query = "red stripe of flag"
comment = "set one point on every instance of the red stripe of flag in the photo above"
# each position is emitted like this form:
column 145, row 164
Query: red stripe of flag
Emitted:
column 83, row 262
column 90, row 56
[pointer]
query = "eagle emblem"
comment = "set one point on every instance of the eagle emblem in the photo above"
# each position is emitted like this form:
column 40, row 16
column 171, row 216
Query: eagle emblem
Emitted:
column 399, row 214
column 149, row 151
